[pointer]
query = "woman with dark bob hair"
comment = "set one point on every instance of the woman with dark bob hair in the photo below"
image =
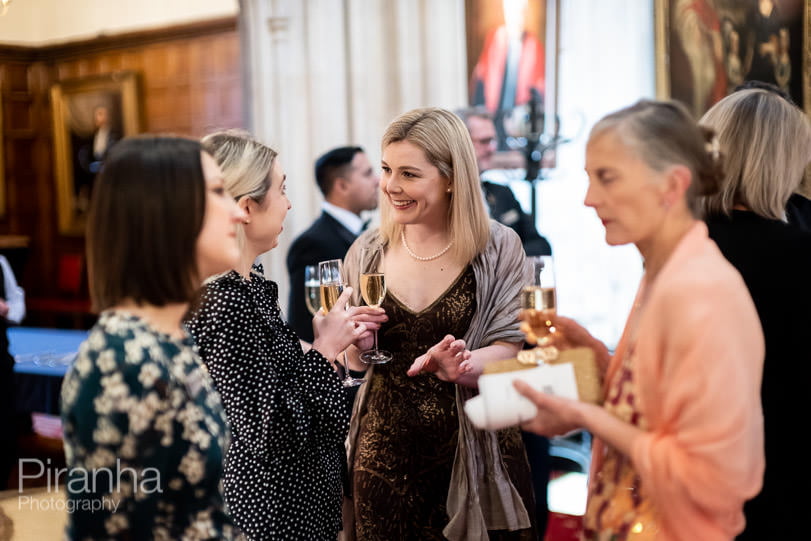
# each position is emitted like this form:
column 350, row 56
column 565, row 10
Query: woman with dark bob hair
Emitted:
column 145, row 433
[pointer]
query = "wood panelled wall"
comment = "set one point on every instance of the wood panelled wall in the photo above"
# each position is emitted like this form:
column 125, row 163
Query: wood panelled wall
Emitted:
column 190, row 83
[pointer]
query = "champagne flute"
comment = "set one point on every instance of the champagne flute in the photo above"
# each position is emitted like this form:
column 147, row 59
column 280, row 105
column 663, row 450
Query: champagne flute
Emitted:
column 538, row 301
column 312, row 288
column 331, row 275
column 373, row 290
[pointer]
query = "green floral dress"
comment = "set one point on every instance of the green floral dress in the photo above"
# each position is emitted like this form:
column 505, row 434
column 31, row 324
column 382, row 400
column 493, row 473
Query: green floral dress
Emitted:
column 145, row 435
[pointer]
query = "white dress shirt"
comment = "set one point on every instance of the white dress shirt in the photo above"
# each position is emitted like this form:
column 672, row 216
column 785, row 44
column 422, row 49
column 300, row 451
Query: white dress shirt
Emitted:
column 347, row 218
column 15, row 296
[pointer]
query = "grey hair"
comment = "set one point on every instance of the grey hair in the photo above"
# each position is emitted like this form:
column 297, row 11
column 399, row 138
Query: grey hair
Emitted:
column 662, row 134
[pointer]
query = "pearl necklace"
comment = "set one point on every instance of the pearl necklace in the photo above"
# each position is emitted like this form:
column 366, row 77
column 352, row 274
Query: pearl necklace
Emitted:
column 418, row 258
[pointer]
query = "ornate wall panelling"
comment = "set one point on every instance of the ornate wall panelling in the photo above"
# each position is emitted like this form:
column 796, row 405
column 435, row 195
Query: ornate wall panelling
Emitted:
column 190, row 83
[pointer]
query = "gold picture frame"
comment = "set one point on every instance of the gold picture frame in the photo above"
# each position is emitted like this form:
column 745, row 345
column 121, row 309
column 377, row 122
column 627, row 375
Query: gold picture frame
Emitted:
column 722, row 43
column 89, row 116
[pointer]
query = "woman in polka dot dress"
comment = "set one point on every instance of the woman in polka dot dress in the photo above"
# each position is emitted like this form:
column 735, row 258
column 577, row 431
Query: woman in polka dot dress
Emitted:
column 288, row 409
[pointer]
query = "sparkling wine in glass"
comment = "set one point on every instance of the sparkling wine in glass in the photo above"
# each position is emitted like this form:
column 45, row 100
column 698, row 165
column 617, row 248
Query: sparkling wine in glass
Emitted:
column 329, row 294
column 312, row 288
column 538, row 301
column 373, row 290
column 331, row 277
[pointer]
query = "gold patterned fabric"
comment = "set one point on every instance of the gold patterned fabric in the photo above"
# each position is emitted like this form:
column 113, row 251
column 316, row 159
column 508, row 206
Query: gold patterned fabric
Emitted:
column 410, row 427
column 618, row 508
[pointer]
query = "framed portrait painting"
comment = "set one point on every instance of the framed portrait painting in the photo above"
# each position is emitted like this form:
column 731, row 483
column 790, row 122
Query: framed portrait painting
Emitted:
column 512, row 52
column 706, row 48
column 89, row 116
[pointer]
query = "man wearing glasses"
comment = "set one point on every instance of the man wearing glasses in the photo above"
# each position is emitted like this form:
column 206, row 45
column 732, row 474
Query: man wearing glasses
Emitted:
column 501, row 201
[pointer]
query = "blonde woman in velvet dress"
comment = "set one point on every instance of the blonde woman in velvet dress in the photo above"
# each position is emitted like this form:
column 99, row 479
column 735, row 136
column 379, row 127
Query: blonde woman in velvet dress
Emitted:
column 419, row 470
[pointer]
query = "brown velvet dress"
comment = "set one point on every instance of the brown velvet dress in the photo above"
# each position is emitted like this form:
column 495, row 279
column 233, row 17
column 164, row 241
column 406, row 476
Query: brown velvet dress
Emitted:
column 410, row 428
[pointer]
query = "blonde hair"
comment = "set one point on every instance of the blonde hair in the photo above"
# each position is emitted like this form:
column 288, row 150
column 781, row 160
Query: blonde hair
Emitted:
column 444, row 139
column 767, row 142
column 246, row 164
column 663, row 133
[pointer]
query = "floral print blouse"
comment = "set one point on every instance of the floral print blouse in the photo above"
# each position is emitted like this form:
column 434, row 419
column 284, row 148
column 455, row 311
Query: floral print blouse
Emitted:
column 145, row 435
column 288, row 411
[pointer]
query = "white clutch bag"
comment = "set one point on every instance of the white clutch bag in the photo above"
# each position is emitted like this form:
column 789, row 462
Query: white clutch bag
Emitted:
column 572, row 375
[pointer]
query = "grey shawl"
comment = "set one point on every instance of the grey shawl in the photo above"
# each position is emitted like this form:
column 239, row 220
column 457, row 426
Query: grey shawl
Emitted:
column 481, row 496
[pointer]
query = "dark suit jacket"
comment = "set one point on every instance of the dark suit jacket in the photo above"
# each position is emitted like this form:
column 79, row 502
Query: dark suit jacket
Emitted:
column 325, row 239
column 798, row 211
column 505, row 208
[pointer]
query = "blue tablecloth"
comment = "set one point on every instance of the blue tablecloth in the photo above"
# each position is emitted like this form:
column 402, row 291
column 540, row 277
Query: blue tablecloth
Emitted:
column 42, row 356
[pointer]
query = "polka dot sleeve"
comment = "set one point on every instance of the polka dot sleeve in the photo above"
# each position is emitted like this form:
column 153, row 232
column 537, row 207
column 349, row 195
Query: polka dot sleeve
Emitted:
column 288, row 413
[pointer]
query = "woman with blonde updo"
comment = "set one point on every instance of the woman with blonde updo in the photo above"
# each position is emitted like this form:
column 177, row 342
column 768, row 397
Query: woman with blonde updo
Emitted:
column 287, row 408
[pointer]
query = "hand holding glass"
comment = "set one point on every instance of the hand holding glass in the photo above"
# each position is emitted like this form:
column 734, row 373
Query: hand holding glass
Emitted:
column 332, row 285
column 373, row 290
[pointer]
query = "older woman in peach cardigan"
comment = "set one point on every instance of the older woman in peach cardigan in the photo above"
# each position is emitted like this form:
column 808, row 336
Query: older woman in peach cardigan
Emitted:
column 679, row 438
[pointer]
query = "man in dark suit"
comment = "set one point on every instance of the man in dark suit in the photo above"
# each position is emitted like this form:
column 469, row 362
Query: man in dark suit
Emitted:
column 350, row 186
column 501, row 201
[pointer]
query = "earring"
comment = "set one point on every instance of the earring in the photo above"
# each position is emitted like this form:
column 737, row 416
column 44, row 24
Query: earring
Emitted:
column 449, row 190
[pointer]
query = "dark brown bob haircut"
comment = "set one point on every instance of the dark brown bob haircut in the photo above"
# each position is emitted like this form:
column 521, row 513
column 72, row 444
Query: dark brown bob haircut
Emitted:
column 145, row 216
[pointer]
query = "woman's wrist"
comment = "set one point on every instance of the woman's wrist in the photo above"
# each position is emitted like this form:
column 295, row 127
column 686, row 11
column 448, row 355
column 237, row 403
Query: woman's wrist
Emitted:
column 353, row 360
column 329, row 351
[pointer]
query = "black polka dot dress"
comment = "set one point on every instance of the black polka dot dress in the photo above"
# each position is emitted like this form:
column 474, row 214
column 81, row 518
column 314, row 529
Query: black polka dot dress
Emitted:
column 287, row 410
